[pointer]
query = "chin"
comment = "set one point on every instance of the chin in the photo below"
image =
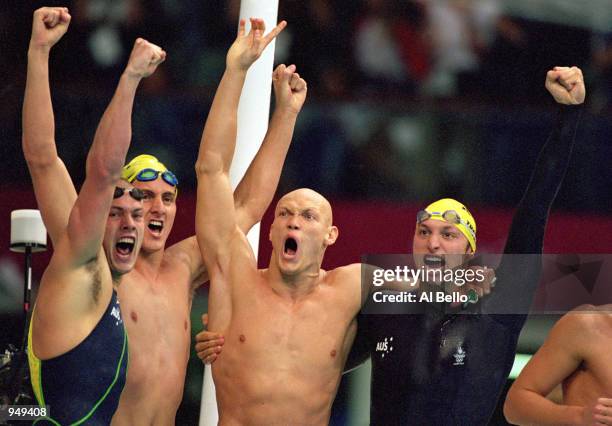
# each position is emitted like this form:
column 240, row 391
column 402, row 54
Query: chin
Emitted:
column 153, row 245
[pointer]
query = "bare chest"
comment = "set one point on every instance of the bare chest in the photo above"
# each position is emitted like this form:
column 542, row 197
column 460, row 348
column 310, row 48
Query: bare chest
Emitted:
column 156, row 316
column 313, row 331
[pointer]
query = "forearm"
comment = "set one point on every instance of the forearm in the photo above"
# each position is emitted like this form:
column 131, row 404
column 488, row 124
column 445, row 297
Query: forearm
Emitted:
column 111, row 142
column 553, row 160
column 524, row 407
column 257, row 188
column 38, row 139
column 219, row 134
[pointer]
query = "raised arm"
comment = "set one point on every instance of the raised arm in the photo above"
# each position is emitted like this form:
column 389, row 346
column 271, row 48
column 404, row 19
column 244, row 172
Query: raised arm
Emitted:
column 560, row 355
column 216, row 219
column 526, row 236
column 257, row 188
column 53, row 187
column 107, row 155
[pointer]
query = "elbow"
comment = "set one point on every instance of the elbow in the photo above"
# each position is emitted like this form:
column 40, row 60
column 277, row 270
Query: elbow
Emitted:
column 209, row 163
column 510, row 412
column 37, row 158
column 102, row 170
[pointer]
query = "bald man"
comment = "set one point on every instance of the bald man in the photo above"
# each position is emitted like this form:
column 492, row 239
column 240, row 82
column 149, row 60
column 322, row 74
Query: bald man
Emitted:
column 449, row 377
column 287, row 328
column 576, row 355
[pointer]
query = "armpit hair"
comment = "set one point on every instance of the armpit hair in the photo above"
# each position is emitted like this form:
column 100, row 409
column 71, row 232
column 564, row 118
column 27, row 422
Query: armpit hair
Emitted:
column 93, row 268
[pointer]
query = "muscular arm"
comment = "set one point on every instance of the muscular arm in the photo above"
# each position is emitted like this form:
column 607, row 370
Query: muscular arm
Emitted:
column 82, row 239
column 55, row 192
column 519, row 275
column 256, row 189
column 216, row 220
column 103, row 169
column 219, row 140
column 559, row 356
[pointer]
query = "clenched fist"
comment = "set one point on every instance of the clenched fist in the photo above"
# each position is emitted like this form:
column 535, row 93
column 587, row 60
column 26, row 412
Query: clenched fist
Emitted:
column 289, row 88
column 144, row 59
column 48, row 26
column 566, row 85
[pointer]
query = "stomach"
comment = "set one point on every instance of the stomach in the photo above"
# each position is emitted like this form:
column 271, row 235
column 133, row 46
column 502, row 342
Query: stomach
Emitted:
column 255, row 388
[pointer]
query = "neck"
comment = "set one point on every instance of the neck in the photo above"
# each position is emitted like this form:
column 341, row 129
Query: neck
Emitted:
column 149, row 263
column 116, row 279
column 293, row 286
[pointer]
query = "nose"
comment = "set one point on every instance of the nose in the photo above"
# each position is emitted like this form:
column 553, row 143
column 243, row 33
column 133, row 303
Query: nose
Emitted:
column 433, row 243
column 157, row 205
column 128, row 223
column 293, row 223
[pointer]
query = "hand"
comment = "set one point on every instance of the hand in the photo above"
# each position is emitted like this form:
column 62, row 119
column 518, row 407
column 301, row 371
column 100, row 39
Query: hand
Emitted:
column 246, row 49
column 144, row 59
column 208, row 344
column 566, row 85
column 48, row 26
column 289, row 88
column 476, row 289
column 599, row 414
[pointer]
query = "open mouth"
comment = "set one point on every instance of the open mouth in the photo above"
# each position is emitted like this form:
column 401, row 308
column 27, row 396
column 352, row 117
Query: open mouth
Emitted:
column 156, row 226
column 291, row 247
column 125, row 245
column 434, row 261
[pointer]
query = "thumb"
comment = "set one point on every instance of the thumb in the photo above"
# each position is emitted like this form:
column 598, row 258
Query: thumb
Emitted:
column 287, row 73
column 205, row 320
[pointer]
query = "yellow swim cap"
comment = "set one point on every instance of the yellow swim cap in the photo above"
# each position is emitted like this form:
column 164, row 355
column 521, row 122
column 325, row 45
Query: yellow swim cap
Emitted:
column 464, row 220
column 146, row 168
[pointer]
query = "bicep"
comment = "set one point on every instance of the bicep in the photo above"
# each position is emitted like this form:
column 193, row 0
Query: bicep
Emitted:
column 558, row 358
column 215, row 216
column 87, row 221
column 55, row 196
column 189, row 253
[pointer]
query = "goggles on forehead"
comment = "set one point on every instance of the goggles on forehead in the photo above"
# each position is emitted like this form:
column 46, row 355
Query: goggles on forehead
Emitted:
column 147, row 175
column 135, row 193
column 451, row 216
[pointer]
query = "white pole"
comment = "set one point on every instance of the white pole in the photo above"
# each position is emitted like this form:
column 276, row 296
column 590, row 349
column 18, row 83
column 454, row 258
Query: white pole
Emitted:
column 253, row 116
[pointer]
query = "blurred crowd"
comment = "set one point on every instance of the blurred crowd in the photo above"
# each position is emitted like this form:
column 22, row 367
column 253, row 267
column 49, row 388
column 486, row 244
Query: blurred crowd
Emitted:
column 428, row 48
column 393, row 87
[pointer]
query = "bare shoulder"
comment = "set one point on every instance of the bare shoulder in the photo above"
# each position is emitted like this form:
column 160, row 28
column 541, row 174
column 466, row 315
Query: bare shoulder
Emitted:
column 348, row 275
column 346, row 281
column 186, row 252
column 587, row 320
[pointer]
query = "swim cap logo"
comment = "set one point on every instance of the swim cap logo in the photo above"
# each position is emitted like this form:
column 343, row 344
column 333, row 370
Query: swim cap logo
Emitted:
column 459, row 356
column 384, row 346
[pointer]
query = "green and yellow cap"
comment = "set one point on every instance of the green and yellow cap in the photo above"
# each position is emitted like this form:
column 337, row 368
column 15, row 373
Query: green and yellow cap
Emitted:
column 145, row 168
column 452, row 211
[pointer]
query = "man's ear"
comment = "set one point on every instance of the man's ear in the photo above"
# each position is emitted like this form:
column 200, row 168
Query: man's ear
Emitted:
column 332, row 236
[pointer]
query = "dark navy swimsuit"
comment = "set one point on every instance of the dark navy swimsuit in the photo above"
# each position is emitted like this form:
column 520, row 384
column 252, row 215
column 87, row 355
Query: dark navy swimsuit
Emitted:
column 83, row 386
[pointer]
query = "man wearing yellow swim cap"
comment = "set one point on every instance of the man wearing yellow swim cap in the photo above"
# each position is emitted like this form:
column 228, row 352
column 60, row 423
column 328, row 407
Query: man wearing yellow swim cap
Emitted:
column 156, row 295
column 447, row 368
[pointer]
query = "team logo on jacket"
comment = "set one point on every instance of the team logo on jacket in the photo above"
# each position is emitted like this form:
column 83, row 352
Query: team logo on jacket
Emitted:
column 384, row 346
column 459, row 356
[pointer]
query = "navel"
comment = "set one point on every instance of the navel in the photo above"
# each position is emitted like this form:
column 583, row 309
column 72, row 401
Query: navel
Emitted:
column 242, row 338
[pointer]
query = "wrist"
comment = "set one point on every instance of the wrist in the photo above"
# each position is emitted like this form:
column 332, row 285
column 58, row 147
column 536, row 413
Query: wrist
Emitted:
column 130, row 79
column 285, row 112
column 576, row 415
column 235, row 72
column 38, row 50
